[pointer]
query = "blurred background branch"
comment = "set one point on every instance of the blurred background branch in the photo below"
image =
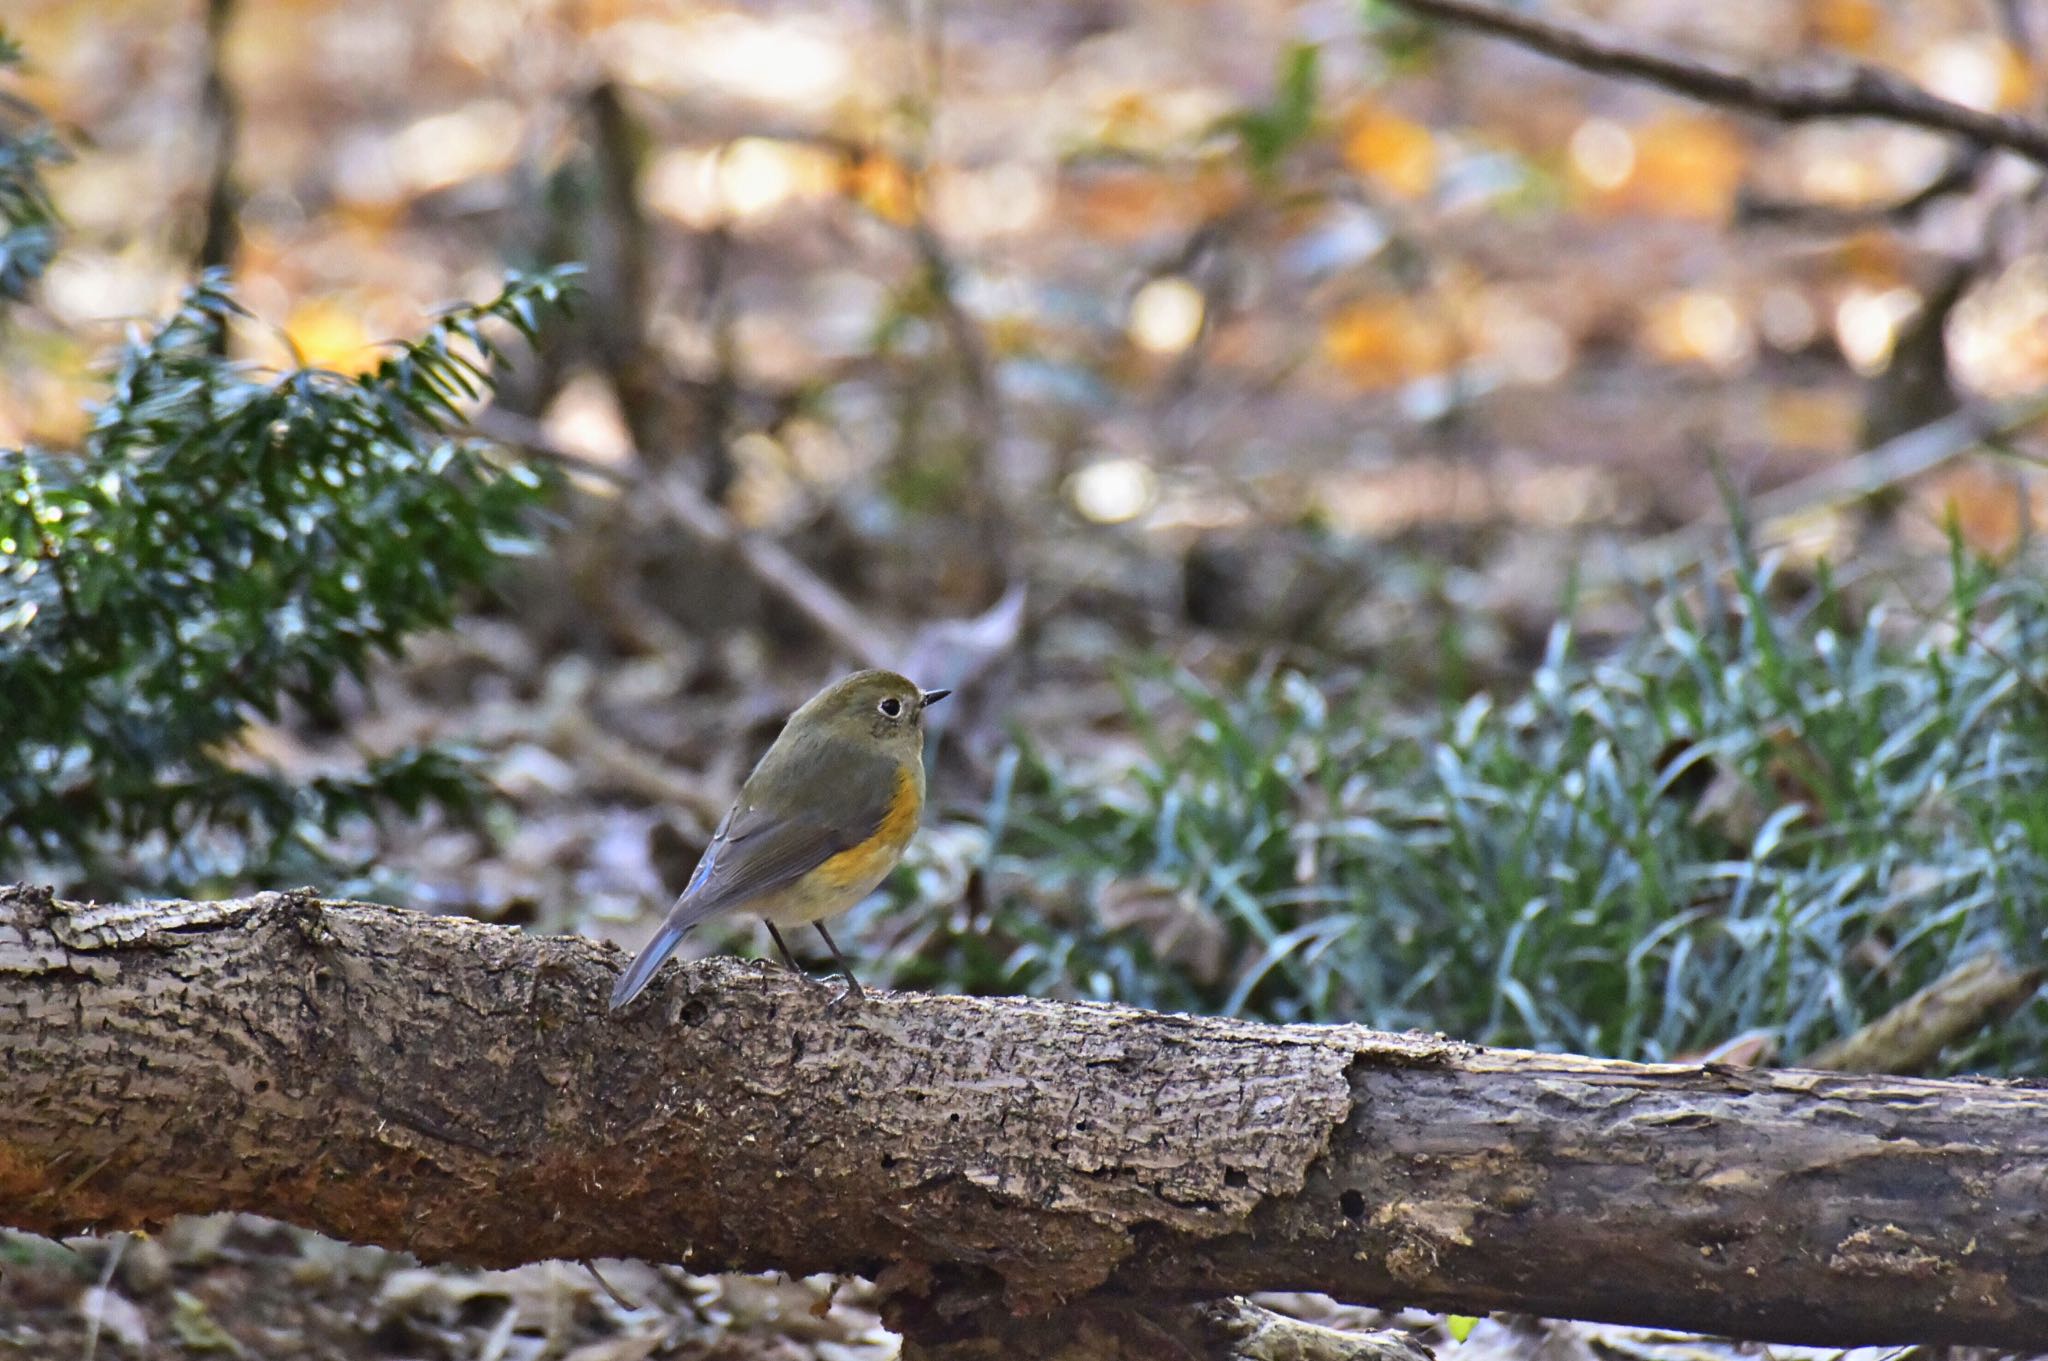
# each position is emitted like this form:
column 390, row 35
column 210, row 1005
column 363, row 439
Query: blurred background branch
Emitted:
column 1846, row 90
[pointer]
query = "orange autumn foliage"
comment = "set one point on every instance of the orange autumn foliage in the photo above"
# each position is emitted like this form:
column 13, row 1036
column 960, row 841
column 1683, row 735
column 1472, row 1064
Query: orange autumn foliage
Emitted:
column 1389, row 340
column 1393, row 152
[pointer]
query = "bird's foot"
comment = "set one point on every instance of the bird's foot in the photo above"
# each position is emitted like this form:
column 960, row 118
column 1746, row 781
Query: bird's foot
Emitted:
column 811, row 982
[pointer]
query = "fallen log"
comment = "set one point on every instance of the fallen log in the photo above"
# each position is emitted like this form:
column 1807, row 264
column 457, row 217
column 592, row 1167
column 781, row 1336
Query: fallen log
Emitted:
column 457, row 1090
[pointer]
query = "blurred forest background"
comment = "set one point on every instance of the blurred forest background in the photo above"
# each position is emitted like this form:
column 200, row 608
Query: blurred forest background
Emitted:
column 1424, row 534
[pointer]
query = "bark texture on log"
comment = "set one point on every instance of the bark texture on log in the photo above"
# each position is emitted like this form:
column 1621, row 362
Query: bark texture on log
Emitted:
column 458, row 1090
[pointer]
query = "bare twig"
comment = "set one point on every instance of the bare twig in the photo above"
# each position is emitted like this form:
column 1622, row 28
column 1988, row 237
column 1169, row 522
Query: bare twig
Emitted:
column 221, row 114
column 1973, row 624
column 941, row 272
column 1204, row 257
column 779, row 570
column 1958, row 176
column 614, row 760
column 775, row 566
column 1895, row 461
column 622, row 236
column 1909, row 1037
column 619, row 1298
column 1847, row 90
column 97, row 1307
column 666, row 413
column 924, row 25
column 970, row 350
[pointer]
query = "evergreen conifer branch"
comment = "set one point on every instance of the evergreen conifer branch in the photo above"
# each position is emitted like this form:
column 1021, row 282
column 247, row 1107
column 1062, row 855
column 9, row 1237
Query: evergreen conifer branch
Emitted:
column 28, row 219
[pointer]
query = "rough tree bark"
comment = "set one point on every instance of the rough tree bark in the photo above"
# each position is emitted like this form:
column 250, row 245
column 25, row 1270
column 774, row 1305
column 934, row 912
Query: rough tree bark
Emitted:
column 458, row 1090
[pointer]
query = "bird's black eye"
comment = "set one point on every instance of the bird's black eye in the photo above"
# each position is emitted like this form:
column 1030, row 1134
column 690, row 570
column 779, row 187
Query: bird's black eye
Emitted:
column 893, row 707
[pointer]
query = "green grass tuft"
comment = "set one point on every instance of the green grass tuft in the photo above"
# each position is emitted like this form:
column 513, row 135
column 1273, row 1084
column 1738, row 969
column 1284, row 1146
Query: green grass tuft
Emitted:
column 1750, row 819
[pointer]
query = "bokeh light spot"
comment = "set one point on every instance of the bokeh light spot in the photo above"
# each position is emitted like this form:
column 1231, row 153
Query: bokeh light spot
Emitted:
column 1113, row 491
column 1603, row 153
column 1166, row 315
column 1867, row 325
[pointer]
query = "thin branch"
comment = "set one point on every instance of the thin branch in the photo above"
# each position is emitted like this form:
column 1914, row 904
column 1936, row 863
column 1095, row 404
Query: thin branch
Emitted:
column 1910, row 1037
column 222, row 116
column 970, row 349
column 1958, row 176
column 775, row 566
column 939, row 269
column 96, row 1298
column 625, row 1302
column 1897, row 460
column 1848, row 90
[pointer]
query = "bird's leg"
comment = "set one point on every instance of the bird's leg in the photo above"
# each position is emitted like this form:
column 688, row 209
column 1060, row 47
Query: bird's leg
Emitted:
column 799, row 970
column 853, row 987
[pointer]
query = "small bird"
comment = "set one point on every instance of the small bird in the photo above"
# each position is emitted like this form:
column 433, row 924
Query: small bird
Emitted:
column 819, row 824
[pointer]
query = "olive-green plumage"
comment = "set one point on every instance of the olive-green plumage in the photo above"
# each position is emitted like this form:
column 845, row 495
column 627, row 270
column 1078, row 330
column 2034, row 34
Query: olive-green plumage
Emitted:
column 821, row 821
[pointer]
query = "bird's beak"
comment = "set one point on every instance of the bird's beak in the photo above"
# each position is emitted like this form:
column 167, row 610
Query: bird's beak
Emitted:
column 931, row 697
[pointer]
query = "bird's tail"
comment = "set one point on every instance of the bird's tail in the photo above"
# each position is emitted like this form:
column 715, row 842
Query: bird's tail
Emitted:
column 650, row 959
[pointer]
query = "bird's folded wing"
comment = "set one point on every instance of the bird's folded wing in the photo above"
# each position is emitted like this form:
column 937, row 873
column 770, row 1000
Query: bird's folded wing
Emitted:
column 758, row 851
column 762, row 847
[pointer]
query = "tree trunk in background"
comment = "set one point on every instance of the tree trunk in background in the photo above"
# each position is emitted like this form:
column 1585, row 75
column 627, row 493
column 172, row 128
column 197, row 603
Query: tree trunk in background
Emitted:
column 458, row 1091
